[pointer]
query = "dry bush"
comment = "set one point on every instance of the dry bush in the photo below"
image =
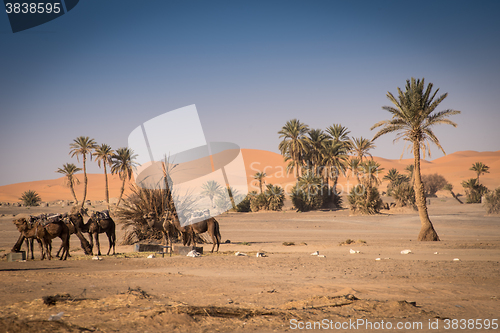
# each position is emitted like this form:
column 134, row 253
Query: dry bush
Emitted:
column 432, row 184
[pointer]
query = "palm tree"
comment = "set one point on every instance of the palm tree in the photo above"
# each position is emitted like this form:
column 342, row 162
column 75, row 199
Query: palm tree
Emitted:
column 83, row 145
column 314, row 145
column 339, row 133
column 293, row 145
column 371, row 170
column 334, row 159
column 69, row 170
column 211, row 188
column 103, row 154
column 413, row 119
column 259, row 176
column 361, row 146
column 354, row 165
column 409, row 168
column 123, row 164
column 30, row 198
column 480, row 169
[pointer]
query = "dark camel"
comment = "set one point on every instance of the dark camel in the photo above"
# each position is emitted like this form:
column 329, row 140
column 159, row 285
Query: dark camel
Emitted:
column 95, row 226
column 75, row 225
column 191, row 231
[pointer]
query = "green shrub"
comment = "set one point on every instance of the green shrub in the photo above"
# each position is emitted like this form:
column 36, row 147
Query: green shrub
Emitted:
column 30, row 198
column 244, row 205
column 492, row 202
column 404, row 194
column 473, row 190
column 365, row 200
column 275, row 197
column 258, row 202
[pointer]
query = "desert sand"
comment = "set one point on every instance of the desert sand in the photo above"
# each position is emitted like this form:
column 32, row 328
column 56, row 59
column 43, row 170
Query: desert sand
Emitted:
column 223, row 292
column 454, row 279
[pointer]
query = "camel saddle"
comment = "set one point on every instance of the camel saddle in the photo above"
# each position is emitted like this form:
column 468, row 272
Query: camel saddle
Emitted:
column 102, row 215
column 44, row 219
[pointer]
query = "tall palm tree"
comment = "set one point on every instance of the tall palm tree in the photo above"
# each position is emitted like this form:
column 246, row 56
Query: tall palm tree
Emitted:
column 83, row 145
column 480, row 169
column 103, row 154
column 211, row 188
column 293, row 145
column 413, row 119
column 69, row 170
column 361, row 146
column 123, row 164
column 315, row 140
column 259, row 176
column 334, row 159
column 339, row 133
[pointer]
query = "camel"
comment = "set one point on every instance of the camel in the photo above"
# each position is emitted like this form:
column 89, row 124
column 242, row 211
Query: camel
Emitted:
column 45, row 233
column 163, row 225
column 98, row 224
column 191, row 231
column 29, row 238
column 75, row 224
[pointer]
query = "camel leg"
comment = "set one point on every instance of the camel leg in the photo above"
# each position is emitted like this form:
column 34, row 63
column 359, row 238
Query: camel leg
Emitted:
column 45, row 245
column 91, row 244
column 212, row 234
column 110, row 241
column 217, row 234
column 113, row 234
column 65, row 247
column 96, row 236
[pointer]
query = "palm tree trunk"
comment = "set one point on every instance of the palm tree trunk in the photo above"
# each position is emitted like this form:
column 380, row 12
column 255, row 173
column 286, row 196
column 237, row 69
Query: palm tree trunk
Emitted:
column 427, row 232
column 106, row 178
column 84, row 181
column 121, row 192
column 74, row 194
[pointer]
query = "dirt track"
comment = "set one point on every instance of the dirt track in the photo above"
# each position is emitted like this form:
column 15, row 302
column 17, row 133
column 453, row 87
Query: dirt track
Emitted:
column 231, row 293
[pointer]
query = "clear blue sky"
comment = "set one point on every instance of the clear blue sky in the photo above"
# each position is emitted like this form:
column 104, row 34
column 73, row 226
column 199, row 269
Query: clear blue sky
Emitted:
column 249, row 66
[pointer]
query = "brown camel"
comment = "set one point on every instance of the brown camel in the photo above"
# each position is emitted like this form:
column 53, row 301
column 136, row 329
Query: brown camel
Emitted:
column 190, row 232
column 29, row 236
column 164, row 225
column 75, row 225
column 45, row 232
column 99, row 223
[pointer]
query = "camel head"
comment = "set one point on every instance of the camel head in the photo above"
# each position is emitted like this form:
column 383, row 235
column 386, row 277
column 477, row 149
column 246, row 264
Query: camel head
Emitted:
column 21, row 224
column 150, row 219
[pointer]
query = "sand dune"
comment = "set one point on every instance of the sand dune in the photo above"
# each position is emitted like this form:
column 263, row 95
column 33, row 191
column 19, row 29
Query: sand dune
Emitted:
column 454, row 167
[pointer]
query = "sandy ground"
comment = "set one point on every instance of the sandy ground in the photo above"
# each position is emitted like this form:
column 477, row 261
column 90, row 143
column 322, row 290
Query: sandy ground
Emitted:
column 288, row 288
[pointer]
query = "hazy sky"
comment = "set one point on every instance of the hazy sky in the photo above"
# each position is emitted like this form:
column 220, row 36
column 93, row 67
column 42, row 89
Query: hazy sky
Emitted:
column 249, row 66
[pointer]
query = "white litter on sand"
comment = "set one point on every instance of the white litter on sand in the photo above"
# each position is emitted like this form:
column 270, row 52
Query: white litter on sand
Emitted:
column 353, row 251
column 56, row 317
column 321, row 256
column 151, row 256
column 378, row 259
column 240, row 254
column 315, row 253
column 261, row 254
column 193, row 254
column 456, row 259
column 406, row 252
column 96, row 258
